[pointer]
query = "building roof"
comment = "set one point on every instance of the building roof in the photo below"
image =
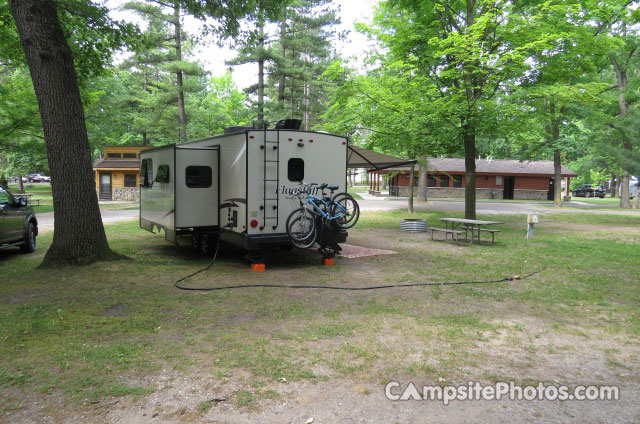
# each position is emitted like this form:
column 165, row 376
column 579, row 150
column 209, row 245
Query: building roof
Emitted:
column 496, row 166
column 116, row 163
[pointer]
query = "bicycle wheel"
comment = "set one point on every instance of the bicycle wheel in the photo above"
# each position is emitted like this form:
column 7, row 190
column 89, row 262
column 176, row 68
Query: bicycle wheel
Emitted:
column 301, row 228
column 344, row 203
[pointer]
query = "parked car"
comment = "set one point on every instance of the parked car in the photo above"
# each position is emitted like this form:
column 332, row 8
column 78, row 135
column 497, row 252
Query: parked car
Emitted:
column 18, row 224
column 46, row 179
column 587, row 190
column 36, row 178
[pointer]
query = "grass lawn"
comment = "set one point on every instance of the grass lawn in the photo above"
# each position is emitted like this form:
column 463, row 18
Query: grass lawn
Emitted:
column 615, row 201
column 42, row 192
column 359, row 189
column 353, row 191
column 74, row 340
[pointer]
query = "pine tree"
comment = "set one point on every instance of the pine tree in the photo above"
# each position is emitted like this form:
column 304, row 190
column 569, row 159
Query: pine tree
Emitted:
column 302, row 53
column 254, row 48
column 160, row 63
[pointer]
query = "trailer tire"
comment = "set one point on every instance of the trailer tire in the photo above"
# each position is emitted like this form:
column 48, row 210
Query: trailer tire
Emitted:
column 208, row 244
column 195, row 241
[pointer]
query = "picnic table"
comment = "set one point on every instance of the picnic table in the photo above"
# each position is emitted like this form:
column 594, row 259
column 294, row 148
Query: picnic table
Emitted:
column 475, row 226
column 27, row 196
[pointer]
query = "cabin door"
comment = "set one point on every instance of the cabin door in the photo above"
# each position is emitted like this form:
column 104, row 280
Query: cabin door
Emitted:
column 551, row 192
column 197, row 187
column 509, row 186
column 105, row 186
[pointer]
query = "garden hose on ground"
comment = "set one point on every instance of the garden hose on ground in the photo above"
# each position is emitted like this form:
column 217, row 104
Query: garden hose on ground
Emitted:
column 303, row 286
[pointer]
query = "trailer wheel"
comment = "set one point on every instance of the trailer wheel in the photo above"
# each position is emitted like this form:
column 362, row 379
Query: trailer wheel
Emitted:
column 208, row 244
column 195, row 241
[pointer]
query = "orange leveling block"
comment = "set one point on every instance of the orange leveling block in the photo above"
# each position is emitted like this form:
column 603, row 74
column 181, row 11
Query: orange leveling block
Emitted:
column 257, row 267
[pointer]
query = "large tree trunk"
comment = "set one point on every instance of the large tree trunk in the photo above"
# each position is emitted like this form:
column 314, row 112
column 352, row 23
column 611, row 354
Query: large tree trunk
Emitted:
column 422, row 179
column 552, row 129
column 557, row 179
column 179, row 83
column 411, row 182
column 469, row 137
column 625, row 195
column 622, row 80
column 20, row 184
column 613, row 190
column 78, row 236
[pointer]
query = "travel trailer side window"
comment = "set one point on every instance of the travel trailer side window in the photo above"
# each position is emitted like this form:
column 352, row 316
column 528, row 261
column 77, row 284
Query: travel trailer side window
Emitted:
column 146, row 172
column 296, row 169
column 163, row 174
column 198, row 176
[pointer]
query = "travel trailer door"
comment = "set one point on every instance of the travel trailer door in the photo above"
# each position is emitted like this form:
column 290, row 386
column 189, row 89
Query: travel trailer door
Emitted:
column 197, row 187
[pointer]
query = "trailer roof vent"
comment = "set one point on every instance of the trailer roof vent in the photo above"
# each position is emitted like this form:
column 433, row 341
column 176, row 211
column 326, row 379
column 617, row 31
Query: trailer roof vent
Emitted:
column 237, row 129
column 288, row 124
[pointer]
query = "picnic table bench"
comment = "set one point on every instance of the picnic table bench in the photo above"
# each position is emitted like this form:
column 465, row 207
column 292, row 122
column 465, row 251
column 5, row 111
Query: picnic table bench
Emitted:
column 455, row 234
column 460, row 225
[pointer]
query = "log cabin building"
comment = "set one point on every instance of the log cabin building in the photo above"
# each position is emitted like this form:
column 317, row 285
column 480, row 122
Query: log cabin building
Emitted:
column 117, row 173
column 495, row 179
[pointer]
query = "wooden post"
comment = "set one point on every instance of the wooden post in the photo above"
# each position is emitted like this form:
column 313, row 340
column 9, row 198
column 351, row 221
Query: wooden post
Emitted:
column 567, row 191
column 411, row 179
column 370, row 180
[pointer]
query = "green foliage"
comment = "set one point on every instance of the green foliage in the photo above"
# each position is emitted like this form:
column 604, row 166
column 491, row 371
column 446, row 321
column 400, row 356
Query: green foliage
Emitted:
column 302, row 53
column 92, row 35
column 219, row 106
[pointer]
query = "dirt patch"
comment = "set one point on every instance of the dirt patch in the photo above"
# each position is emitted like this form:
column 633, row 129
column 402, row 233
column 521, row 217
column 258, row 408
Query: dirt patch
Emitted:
column 114, row 311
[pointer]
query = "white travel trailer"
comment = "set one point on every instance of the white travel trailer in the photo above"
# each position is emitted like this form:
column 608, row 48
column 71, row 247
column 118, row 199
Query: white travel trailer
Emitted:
column 236, row 186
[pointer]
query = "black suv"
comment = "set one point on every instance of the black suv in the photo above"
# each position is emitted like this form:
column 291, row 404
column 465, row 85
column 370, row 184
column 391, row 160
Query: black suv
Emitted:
column 18, row 224
column 587, row 190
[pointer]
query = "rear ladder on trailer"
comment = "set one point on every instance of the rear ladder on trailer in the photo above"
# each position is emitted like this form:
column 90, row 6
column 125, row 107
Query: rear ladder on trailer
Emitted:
column 270, row 146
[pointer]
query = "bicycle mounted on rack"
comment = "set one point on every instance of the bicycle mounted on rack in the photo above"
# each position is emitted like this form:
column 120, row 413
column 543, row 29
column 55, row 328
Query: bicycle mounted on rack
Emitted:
column 320, row 220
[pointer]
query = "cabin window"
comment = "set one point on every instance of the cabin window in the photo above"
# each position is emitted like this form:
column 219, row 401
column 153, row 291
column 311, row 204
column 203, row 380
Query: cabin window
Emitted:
column 198, row 176
column 129, row 180
column 486, row 178
column 295, row 169
column 163, row 174
column 114, row 155
column 129, row 155
column 146, row 172
column 457, row 181
column 444, row 181
column 431, row 180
